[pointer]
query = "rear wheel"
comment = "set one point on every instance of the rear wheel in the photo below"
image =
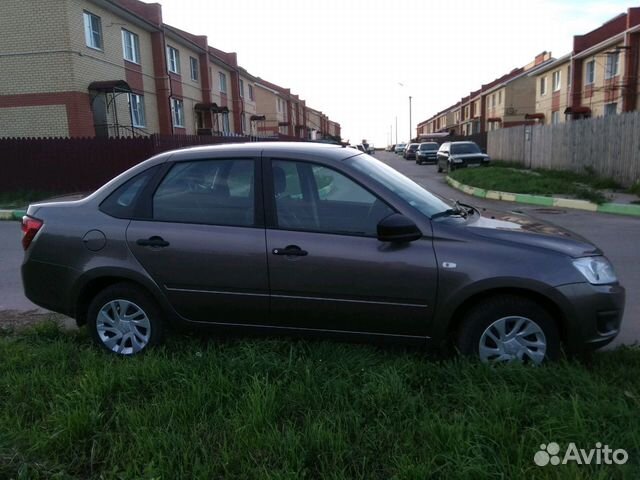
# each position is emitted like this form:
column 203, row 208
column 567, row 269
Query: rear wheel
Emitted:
column 124, row 319
column 509, row 329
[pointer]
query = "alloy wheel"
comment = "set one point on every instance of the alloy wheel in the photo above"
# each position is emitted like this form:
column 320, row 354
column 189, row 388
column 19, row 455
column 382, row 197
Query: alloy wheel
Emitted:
column 513, row 339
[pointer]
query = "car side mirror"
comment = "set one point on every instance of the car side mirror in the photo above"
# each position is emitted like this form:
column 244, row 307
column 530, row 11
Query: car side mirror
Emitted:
column 398, row 228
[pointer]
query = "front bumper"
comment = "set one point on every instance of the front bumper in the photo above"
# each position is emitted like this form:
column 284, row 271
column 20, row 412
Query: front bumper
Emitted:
column 593, row 314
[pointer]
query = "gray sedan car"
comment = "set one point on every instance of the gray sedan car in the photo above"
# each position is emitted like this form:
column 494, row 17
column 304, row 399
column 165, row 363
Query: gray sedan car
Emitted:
column 312, row 239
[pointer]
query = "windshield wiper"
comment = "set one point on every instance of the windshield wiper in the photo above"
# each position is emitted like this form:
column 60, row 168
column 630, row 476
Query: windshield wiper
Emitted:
column 449, row 212
column 460, row 209
column 471, row 208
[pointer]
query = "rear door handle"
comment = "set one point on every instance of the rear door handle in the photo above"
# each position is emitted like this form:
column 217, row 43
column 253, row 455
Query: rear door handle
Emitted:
column 154, row 241
column 290, row 251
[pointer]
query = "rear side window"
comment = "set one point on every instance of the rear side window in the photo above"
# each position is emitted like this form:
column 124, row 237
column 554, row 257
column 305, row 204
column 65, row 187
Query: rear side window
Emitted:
column 122, row 202
column 213, row 192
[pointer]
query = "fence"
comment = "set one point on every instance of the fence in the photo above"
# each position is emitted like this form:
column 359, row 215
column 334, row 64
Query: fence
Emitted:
column 608, row 146
column 62, row 165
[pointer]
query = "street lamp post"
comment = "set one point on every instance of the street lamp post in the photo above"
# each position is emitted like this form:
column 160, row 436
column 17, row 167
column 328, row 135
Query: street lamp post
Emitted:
column 410, row 130
column 396, row 129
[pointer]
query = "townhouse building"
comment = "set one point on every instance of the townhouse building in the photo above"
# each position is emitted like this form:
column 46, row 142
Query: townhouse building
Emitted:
column 599, row 77
column 552, row 91
column 114, row 68
column 605, row 68
column 503, row 102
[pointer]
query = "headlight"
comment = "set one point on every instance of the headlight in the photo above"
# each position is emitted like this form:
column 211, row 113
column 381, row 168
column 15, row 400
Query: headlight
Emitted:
column 597, row 270
column 457, row 160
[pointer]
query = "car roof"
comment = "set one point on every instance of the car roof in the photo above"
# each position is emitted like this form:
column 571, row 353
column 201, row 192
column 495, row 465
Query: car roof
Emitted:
column 464, row 142
column 267, row 149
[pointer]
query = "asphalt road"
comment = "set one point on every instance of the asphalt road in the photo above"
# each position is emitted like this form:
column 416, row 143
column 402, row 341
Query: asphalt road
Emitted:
column 618, row 236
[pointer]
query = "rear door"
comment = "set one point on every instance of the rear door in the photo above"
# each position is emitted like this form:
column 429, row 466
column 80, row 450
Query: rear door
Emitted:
column 328, row 271
column 204, row 244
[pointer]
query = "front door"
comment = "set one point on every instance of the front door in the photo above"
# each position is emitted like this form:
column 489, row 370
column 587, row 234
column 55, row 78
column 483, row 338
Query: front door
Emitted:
column 327, row 269
column 205, row 245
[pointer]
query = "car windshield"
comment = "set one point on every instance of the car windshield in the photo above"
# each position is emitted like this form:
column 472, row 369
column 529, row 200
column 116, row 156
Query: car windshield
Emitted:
column 465, row 148
column 429, row 146
column 419, row 198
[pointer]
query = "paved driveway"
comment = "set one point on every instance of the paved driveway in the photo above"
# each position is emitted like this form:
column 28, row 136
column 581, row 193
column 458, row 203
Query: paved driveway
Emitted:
column 618, row 236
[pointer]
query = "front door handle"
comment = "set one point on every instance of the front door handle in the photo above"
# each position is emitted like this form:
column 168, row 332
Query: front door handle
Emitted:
column 290, row 251
column 154, row 241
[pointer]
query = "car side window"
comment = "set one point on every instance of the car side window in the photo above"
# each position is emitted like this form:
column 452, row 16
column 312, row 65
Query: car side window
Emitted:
column 316, row 198
column 213, row 192
column 122, row 202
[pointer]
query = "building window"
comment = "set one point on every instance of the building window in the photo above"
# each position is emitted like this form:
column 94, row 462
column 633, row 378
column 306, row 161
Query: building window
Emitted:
column 136, row 104
column 555, row 117
column 193, row 64
column 279, row 105
column 93, row 31
column 612, row 65
column 543, row 86
column 251, row 97
column 610, row 109
column 225, row 122
column 173, row 60
column 223, row 82
column 556, row 81
column 241, row 82
column 130, row 46
column 590, row 74
column 500, row 97
column 177, row 112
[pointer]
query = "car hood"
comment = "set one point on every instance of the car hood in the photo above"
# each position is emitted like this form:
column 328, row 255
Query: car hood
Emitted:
column 523, row 229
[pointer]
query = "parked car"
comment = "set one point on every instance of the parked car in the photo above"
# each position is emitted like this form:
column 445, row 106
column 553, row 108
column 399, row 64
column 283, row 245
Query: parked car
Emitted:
column 427, row 152
column 410, row 152
column 399, row 148
column 390, row 148
column 452, row 155
column 312, row 239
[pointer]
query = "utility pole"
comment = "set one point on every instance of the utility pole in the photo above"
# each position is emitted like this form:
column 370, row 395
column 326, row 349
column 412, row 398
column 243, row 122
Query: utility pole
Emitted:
column 396, row 129
column 410, row 130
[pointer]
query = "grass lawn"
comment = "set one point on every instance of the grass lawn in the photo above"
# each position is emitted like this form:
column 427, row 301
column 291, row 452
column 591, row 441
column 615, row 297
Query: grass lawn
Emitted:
column 505, row 178
column 205, row 408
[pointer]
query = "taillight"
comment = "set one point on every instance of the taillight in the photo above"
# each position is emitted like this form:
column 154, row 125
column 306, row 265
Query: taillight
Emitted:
column 30, row 226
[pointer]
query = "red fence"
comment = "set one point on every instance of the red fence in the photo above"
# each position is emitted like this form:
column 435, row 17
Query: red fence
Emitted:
column 64, row 165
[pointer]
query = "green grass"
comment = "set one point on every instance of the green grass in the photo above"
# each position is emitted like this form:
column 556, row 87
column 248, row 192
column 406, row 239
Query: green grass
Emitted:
column 635, row 189
column 272, row 408
column 507, row 177
column 22, row 198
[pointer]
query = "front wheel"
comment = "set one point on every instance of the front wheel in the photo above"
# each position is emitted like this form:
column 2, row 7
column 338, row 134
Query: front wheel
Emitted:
column 509, row 329
column 124, row 319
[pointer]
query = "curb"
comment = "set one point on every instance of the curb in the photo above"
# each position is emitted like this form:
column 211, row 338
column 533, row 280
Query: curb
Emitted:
column 616, row 208
column 12, row 214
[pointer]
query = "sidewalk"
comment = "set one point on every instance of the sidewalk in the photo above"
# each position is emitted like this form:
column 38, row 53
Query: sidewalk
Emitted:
column 620, row 206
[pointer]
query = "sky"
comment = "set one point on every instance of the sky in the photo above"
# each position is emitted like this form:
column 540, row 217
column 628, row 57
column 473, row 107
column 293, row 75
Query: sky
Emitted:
column 358, row 61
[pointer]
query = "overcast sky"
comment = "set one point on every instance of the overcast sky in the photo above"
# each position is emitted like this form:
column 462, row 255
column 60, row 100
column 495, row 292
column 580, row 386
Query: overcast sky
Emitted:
column 359, row 61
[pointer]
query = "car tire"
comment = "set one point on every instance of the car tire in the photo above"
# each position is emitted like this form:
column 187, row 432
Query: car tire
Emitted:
column 530, row 333
column 125, row 320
